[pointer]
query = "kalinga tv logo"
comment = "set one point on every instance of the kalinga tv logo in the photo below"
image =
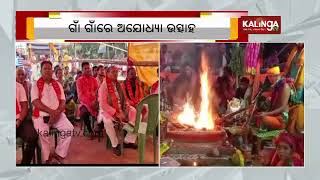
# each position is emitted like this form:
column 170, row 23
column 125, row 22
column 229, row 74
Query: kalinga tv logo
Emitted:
column 260, row 24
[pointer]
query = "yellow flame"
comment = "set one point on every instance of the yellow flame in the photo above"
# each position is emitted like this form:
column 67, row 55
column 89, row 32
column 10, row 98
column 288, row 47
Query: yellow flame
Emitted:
column 188, row 116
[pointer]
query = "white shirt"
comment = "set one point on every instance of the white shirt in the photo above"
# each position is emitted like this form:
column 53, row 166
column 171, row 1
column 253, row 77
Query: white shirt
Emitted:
column 21, row 96
column 106, row 110
column 49, row 97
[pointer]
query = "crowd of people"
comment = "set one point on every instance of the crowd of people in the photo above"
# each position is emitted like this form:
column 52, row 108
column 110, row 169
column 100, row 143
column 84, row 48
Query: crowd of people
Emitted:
column 275, row 96
column 59, row 97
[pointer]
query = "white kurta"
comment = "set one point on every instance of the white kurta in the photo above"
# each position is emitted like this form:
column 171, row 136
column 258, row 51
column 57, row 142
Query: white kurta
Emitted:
column 64, row 126
column 20, row 96
column 106, row 114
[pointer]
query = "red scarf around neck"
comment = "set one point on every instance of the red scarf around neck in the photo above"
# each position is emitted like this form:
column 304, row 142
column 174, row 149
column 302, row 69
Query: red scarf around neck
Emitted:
column 134, row 98
column 112, row 92
column 40, row 85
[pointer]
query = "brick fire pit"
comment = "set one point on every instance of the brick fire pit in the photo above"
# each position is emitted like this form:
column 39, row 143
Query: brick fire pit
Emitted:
column 196, row 135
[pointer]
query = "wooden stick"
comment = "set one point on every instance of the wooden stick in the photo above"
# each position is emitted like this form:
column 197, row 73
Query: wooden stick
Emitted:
column 235, row 113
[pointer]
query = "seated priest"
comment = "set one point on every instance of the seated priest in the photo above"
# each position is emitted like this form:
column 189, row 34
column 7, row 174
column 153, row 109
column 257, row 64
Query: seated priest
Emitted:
column 277, row 117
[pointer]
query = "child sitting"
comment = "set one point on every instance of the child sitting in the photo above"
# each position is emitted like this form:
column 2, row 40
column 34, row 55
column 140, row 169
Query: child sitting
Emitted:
column 287, row 153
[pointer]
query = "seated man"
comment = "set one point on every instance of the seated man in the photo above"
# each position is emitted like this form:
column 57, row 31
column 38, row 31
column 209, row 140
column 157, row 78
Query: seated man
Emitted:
column 67, row 86
column 87, row 87
column 100, row 75
column 24, row 125
column 132, row 87
column 244, row 90
column 21, row 78
column 48, row 99
column 112, row 105
column 277, row 117
column 67, row 75
column 133, row 93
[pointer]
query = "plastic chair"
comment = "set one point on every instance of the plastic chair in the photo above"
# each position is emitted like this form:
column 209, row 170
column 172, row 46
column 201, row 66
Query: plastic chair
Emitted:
column 151, row 125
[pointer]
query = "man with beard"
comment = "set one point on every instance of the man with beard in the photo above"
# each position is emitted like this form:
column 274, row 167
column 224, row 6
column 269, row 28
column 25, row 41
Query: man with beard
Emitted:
column 132, row 88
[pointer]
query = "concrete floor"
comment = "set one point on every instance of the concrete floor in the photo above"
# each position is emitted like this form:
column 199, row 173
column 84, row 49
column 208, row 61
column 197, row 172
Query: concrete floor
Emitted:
column 85, row 151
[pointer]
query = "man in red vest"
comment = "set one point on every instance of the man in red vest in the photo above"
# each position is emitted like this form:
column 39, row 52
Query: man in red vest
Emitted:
column 48, row 99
